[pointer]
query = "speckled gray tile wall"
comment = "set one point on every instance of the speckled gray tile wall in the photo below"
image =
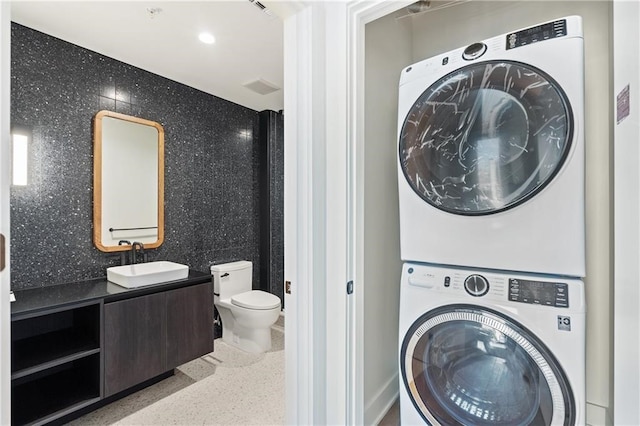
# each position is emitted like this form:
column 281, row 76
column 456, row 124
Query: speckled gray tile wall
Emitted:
column 276, row 262
column 211, row 200
column 271, row 190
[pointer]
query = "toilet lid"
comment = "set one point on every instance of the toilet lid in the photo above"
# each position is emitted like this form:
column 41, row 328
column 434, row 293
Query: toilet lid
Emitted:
column 256, row 299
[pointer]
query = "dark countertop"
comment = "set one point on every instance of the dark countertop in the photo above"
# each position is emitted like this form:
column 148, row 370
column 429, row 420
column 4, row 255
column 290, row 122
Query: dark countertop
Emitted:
column 35, row 300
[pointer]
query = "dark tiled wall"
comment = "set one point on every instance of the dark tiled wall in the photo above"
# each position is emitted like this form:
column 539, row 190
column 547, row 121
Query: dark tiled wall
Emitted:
column 211, row 177
column 271, row 190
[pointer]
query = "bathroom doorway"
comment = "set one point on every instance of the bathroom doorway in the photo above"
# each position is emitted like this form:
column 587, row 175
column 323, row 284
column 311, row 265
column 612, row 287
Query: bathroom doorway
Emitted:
column 5, row 111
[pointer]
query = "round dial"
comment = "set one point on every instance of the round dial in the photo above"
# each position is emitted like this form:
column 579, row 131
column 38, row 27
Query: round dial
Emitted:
column 474, row 51
column 476, row 285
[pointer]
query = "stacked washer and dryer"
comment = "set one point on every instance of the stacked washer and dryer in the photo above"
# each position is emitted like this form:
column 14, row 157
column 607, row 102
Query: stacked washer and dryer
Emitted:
column 491, row 191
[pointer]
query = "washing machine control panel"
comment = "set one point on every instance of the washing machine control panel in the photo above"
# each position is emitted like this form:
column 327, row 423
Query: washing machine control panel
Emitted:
column 538, row 33
column 491, row 285
column 539, row 292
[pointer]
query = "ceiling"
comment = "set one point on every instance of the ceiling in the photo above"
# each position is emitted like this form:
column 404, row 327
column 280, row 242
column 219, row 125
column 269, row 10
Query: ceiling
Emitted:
column 162, row 37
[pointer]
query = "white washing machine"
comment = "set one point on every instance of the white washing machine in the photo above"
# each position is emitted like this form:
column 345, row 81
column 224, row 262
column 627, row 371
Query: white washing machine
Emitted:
column 491, row 153
column 485, row 348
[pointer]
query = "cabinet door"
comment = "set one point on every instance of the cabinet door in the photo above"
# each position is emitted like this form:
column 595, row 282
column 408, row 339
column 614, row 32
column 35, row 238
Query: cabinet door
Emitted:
column 134, row 340
column 189, row 323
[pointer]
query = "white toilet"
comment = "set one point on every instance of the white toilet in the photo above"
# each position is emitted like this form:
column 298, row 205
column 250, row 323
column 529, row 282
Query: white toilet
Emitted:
column 247, row 315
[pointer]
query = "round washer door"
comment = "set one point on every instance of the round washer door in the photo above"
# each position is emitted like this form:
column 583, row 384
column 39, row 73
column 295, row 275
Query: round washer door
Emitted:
column 486, row 137
column 464, row 364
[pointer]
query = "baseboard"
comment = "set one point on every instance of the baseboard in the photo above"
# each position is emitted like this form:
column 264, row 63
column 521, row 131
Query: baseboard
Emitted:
column 378, row 406
column 598, row 416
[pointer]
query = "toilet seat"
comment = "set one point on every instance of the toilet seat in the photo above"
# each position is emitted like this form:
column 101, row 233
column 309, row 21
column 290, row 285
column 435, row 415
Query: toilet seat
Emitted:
column 256, row 299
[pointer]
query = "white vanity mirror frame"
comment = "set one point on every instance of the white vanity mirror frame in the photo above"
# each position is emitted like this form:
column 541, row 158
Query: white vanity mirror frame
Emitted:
column 126, row 182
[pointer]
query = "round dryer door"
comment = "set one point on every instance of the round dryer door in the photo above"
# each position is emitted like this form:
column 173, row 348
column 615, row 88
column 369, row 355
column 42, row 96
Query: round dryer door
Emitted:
column 486, row 137
column 466, row 365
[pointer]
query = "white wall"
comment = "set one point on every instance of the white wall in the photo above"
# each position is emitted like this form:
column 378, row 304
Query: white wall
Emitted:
column 627, row 211
column 446, row 29
column 387, row 51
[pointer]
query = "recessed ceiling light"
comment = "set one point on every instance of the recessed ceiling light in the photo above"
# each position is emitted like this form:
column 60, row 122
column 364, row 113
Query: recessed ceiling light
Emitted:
column 207, row 38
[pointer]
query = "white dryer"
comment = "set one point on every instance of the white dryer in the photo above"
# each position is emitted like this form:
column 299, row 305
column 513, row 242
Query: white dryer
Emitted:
column 491, row 153
column 486, row 348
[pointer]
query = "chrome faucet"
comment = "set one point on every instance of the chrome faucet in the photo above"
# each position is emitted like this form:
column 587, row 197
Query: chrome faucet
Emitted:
column 123, row 256
column 135, row 247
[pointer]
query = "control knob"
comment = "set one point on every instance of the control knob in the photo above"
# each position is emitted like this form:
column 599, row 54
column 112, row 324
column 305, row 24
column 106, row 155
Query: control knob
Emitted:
column 476, row 285
column 474, row 51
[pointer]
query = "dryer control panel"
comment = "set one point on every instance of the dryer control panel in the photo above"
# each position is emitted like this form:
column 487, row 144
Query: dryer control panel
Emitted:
column 539, row 292
column 538, row 33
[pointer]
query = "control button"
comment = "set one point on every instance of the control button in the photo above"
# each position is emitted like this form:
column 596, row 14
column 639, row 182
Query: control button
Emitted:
column 447, row 281
column 476, row 285
column 474, row 51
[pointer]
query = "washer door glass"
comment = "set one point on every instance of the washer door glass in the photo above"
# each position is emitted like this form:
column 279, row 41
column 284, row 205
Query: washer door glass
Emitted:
column 485, row 137
column 464, row 365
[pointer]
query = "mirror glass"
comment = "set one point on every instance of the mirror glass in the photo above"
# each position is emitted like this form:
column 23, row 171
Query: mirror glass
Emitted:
column 128, row 181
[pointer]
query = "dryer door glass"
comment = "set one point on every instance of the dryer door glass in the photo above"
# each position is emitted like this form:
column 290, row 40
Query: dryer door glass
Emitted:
column 486, row 137
column 466, row 365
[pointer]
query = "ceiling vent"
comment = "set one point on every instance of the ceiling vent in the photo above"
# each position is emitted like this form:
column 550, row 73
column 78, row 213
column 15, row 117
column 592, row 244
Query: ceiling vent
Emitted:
column 261, row 6
column 261, row 86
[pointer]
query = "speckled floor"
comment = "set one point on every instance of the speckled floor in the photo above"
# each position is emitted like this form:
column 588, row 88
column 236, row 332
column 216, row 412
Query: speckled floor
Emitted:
column 225, row 387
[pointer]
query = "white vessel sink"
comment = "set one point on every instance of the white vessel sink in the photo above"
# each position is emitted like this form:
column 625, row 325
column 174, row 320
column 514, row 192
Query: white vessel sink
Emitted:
column 141, row 274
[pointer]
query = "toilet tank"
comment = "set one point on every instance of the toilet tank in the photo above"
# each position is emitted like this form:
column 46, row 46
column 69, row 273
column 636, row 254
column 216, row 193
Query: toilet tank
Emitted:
column 231, row 278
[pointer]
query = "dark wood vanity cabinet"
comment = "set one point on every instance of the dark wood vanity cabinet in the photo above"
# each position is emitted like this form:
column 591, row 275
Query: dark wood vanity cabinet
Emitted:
column 148, row 335
column 189, row 323
column 74, row 345
column 134, row 335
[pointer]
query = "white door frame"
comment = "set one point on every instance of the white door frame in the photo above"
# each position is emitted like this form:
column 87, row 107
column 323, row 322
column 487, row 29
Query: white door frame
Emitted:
column 299, row 334
column 315, row 219
column 324, row 244
column 5, row 175
column 359, row 14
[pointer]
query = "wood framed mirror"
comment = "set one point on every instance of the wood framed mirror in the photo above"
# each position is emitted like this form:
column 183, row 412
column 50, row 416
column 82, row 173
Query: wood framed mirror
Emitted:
column 128, row 181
